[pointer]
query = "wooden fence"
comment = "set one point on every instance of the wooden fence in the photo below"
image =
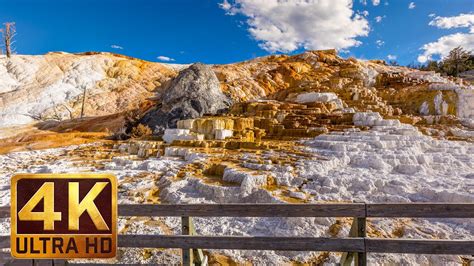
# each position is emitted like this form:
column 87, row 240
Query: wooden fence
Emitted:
column 354, row 247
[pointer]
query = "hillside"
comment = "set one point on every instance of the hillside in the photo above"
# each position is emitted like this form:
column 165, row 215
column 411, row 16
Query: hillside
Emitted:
column 307, row 128
column 37, row 88
column 40, row 88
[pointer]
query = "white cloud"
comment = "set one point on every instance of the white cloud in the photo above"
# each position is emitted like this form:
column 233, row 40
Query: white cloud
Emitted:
column 411, row 5
column 286, row 26
column 374, row 2
column 391, row 57
column 460, row 21
column 365, row 13
column 379, row 43
column 378, row 19
column 114, row 46
column 432, row 15
column 165, row 58
column 226, row 6
column 445, row 44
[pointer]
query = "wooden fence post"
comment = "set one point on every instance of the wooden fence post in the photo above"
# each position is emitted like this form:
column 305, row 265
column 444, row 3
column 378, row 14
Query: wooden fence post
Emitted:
column 358, row 229
column 361, row 257
column 191, row 255
column 186, row 229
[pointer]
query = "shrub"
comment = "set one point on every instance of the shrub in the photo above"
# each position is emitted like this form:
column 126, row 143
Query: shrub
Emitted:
column 141, row 131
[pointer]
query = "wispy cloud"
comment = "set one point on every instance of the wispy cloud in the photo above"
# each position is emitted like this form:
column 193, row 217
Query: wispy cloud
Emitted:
column 460, row 21
column 378, row 19
column 165, row 58
column 379, row 43
column 114, row 46
column 411, row 5
column 391, row 57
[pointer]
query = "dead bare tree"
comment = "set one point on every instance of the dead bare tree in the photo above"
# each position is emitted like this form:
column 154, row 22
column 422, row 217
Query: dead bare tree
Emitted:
column 83, row 100
column 8, row 32
column 69, row 110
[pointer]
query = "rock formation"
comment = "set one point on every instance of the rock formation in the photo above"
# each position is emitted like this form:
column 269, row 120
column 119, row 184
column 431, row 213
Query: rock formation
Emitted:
column 193, row 93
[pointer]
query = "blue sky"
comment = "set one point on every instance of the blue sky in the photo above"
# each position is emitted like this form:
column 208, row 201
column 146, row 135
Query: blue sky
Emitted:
column 191, row 30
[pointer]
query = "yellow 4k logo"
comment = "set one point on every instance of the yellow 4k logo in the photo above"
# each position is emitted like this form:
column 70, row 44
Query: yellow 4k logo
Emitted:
column 64, row 216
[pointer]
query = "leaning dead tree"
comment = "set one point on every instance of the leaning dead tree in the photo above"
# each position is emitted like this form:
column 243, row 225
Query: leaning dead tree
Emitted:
column 8, row 32
column 84, row 92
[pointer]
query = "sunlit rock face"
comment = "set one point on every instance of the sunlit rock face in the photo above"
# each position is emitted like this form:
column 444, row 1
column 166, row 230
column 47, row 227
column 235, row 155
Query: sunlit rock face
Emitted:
column 362, row 85
column 51, row 86
column 193, row 93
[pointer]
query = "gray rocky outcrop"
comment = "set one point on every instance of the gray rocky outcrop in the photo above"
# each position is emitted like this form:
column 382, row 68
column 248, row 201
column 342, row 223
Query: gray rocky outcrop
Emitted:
column 193, row 93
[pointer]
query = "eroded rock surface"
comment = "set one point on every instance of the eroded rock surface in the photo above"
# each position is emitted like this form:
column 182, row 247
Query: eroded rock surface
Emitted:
column 193, row 93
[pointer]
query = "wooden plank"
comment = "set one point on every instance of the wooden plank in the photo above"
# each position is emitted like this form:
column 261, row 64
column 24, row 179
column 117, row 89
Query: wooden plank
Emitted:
column 4, row 211
column 5, row 257
column 412, row 246
column 231, row 242
column 415, row 210
column 43, row 262
column 20, row 262
column 4, row 241
column 416, row 246
column 243, row 243
column 245, row 210
column 60, row 262
column 421, row 210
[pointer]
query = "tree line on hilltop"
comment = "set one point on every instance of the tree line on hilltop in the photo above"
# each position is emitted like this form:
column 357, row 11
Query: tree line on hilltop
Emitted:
column 456, row 62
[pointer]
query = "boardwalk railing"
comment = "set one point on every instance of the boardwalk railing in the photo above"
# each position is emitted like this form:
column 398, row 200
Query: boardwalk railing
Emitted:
column 354, row 247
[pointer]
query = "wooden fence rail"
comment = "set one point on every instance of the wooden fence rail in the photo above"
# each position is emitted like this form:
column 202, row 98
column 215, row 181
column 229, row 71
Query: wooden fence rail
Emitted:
column 355, row 247
column 369, row 210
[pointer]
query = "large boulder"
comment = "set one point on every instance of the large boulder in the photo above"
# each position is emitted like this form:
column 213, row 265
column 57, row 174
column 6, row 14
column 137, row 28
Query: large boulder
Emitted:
column 193, row 93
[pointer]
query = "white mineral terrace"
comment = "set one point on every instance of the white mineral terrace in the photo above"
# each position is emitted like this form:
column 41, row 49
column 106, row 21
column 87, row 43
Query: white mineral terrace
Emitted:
column 392, row 162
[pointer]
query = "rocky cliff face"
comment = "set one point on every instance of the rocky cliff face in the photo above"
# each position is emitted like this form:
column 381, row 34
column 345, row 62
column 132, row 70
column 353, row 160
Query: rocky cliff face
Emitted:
column 192, row 94
column 362, row 85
